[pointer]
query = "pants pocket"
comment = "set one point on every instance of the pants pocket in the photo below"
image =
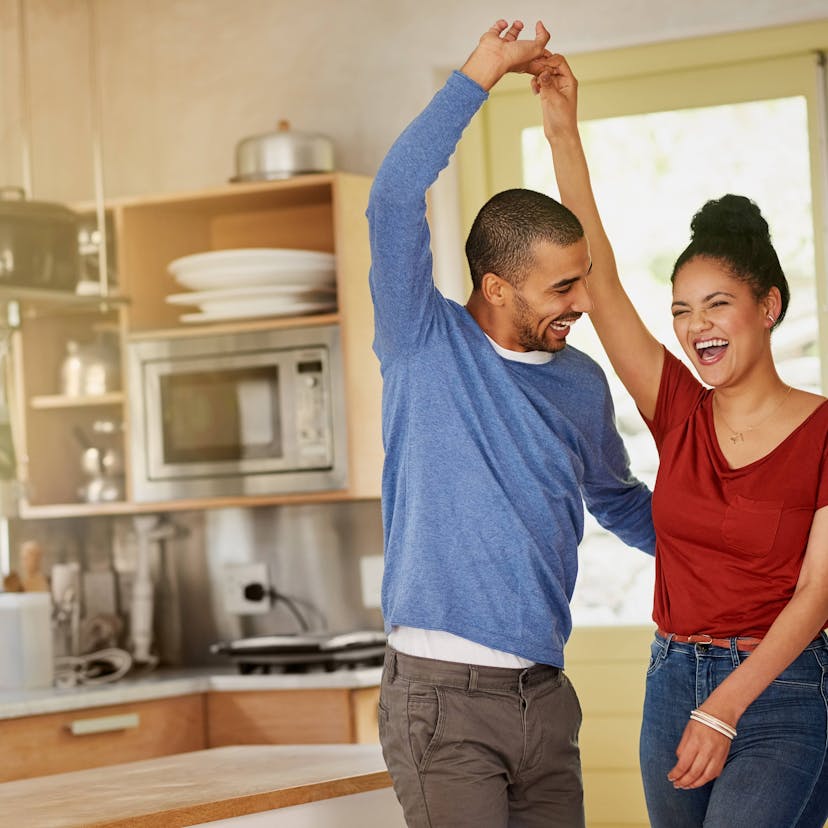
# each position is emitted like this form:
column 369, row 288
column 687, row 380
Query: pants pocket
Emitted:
column 656, row 657
column 426, row 718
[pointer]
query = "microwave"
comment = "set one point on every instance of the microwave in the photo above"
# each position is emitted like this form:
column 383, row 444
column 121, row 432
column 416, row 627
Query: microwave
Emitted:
column 234, row 414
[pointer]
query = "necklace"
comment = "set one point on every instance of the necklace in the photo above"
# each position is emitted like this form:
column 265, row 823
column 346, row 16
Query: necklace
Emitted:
column 737, row 436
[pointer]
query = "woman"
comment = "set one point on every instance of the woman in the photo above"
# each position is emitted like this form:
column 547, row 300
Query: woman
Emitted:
column 735, row 721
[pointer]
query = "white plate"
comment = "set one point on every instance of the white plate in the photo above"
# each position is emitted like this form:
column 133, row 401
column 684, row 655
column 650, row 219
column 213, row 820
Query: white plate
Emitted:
column 251, row 257
column 249, row 276
column 259, row 308
column 289, row 293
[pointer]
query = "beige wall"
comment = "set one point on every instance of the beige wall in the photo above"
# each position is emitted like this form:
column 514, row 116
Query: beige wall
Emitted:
column 607, row 666
column 184, row 80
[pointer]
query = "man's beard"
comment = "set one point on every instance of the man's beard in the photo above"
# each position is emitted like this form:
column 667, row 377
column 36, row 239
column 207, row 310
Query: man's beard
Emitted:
column 525, row 321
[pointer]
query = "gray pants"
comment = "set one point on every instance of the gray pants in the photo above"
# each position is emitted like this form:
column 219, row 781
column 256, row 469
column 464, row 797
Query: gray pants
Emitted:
column 483, row 747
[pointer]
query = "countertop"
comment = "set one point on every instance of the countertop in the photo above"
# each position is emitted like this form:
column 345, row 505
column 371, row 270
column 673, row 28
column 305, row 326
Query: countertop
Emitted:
column 192, row 788
column 159, row 684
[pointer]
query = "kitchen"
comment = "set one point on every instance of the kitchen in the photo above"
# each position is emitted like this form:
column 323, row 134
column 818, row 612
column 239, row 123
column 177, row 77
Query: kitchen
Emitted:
column 181, row 84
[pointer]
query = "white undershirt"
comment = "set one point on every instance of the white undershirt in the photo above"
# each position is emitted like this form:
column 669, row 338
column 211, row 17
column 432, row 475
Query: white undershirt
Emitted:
column 447, row 646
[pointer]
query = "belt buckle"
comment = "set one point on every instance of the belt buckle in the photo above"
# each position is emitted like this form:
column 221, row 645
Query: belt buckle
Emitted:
column 703, row 644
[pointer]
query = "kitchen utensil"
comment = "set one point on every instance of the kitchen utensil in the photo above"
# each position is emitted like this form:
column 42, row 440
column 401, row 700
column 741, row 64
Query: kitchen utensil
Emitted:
column 90, row 368
column 12, row 583
column 31, row 560
column 102, row 489
column 38, row 243
column 8, row 463
column 101, row 365
column 282, row 154
column 66, row 597
column 26, row 650
column 104, row 468
column 71, row 371
column 141, row 610
column 112, row 462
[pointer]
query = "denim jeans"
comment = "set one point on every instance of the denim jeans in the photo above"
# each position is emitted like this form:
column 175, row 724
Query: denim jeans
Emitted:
column 776, row 775
column 481, row 747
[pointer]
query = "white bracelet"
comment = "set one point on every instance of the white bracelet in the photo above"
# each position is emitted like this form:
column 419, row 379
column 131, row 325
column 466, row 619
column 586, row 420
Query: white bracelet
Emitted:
column 712, row 722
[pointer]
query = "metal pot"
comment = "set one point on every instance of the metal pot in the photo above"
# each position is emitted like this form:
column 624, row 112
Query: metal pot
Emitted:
column 38, row 243
column 282, row 154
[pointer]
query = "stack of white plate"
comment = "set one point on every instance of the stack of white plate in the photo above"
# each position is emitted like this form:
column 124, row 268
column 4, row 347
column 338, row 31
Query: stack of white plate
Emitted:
column 250, row 282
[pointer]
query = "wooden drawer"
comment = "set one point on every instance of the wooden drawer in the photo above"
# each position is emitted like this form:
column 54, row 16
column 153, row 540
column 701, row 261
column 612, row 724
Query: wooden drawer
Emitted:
column 89, row 738
column 319, row 716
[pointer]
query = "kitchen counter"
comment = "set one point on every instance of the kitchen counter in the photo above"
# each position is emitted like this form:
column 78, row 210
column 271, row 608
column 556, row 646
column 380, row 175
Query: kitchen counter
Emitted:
column 229, row 783
column 161, row 684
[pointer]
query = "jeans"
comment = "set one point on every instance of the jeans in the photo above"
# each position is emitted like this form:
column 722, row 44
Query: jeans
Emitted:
column 481, row 747
column 776, row 775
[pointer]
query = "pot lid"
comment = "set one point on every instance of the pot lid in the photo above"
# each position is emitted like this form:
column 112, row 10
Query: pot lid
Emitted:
column 14, row 204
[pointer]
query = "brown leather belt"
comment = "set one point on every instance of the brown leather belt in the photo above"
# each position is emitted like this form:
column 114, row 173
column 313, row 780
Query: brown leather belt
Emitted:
column 743, row 644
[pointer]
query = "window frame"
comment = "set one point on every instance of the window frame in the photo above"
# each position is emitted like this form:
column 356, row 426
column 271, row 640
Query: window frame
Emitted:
column 733, row 68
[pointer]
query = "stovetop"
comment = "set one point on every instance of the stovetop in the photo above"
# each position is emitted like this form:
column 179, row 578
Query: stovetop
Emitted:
column 305, row 652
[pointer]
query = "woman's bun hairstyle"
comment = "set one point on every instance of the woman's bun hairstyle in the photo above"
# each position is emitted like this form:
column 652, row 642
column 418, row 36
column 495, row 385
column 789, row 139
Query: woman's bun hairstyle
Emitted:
column 732, row 231
column 731, row 214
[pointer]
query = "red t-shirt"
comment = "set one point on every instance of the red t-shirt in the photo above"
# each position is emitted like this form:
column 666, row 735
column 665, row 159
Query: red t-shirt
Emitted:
column 729, row 542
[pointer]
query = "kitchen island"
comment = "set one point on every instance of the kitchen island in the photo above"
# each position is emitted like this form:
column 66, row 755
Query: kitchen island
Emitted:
column 289, row 786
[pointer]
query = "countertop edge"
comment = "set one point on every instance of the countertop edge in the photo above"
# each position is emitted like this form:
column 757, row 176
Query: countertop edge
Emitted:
column 18, row 704
column 198, row 787
column 187, row 815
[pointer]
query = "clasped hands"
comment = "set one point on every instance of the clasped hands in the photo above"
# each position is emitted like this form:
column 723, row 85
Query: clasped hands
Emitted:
column 500, row 51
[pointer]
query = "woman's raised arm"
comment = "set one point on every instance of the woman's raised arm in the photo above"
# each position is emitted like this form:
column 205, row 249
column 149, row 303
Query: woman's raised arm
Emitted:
column 635, row 354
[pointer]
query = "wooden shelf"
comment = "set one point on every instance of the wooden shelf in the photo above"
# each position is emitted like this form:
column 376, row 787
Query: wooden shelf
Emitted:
column 67, row 510
column 321, row 212
column 64, row 510
column 238, row 326
column 38, row 301
column 61, row 401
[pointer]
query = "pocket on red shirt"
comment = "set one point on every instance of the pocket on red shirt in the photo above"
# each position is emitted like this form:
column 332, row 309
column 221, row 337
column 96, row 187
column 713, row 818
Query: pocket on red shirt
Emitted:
column 749, row 526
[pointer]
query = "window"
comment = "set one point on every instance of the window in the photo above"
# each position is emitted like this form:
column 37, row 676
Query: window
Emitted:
column 687, row 123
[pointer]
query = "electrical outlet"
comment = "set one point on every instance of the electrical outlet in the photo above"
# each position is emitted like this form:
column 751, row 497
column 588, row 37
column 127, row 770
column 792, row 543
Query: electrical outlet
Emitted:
column 239, row 576
column 371, row 567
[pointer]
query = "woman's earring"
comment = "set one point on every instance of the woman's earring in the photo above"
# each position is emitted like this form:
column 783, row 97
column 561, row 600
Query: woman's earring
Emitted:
column 772, row 320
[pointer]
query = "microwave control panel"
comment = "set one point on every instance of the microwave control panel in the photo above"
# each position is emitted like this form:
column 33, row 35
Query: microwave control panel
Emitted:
column 314, row 429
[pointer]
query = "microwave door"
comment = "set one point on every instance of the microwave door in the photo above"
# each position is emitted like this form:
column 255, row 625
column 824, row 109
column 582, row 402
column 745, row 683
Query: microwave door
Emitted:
column 217, row 416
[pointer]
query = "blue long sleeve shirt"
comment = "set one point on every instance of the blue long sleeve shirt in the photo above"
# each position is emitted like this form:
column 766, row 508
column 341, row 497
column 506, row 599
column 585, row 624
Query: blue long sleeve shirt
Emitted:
column 488, row 461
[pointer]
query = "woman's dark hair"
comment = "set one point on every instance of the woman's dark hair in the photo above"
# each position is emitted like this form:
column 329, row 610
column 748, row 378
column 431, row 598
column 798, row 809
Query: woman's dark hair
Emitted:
column 732, row 231
column 508, row 225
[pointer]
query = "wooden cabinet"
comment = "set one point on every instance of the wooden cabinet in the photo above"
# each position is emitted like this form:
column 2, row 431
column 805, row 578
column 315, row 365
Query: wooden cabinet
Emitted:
column 316, row 212
column 50, row 427
column 93, row 737
column 318, row 716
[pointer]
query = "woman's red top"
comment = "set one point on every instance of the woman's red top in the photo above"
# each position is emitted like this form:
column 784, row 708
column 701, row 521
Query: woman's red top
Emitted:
column 729, row 542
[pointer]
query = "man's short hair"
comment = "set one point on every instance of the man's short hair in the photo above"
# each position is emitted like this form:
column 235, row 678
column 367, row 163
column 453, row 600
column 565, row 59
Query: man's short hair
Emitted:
column 506, row 228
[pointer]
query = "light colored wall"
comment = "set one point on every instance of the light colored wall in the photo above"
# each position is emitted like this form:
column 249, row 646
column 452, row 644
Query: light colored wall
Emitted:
column 607, row 666
column 183, row 80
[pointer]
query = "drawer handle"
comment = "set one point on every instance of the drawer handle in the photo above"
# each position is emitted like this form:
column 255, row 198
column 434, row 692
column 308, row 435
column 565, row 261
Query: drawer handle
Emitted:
column 104, row 724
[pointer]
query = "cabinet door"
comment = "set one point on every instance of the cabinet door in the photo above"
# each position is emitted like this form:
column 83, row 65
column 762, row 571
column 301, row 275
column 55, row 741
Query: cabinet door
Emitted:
column 90, row 738
column 319, row 716
column 364, row 701
column 327, row 716
column 61, row 408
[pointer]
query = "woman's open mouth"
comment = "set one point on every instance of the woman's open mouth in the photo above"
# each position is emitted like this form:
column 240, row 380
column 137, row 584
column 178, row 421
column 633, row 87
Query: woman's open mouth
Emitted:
column 710, row 350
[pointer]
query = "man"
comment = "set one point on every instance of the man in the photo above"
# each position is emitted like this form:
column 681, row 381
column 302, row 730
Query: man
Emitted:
column 494, row 431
